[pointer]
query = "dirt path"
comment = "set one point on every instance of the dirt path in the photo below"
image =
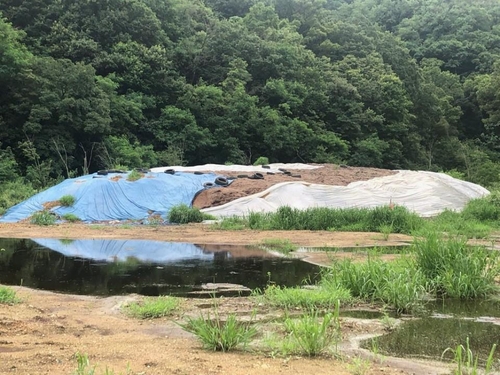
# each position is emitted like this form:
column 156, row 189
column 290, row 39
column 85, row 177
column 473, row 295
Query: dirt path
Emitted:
column 198, row 234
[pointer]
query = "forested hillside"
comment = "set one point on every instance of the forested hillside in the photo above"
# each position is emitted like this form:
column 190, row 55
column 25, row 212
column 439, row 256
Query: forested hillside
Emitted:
column 95, row 84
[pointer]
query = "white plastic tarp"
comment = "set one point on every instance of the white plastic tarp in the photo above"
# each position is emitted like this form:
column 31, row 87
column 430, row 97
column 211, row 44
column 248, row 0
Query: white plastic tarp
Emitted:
column 426, row 193
column 274, row 167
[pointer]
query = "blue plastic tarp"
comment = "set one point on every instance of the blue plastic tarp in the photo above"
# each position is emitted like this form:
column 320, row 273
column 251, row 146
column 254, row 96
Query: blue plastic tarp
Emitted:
column 113, row 197
column 121, row 250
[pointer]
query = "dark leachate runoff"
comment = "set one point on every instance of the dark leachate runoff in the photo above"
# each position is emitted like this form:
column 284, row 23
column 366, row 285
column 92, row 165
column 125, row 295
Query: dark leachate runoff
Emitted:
column 112, row 267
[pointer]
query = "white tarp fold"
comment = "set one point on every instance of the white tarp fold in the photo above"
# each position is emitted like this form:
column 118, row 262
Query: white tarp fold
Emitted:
column 426, row 193
column 274, row 167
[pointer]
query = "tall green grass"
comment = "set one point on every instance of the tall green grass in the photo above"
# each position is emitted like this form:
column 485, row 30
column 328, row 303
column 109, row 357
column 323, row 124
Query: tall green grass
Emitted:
column 398, row 284
column 318, row 296
column 183, row 214
column 398, row 218
column 7, row 296
column 455, row 268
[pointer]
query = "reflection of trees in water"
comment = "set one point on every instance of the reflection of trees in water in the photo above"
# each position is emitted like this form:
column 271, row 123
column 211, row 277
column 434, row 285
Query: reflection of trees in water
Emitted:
column 42, row 268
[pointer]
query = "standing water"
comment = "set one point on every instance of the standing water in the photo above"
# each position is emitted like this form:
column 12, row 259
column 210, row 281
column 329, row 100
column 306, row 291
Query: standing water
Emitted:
column 111, row 267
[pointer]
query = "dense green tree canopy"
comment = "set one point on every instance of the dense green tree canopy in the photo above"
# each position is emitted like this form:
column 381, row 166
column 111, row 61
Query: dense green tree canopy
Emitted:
column 138, row 83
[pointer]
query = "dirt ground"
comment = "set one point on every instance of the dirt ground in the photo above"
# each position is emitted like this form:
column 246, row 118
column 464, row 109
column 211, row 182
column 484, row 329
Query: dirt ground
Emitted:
column 42, row 334
column 328, row 174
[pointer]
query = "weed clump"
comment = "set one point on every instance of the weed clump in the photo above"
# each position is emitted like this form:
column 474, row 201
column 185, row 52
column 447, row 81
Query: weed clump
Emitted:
column 261, row 160
column 72, row 218
column 67, row 200
column 283, row 246
column 153, row 307
column 134, row 176
column 455, row 268
column 7, row 296
column 43, row 218
column 183, row 214
column 219, row 335
column 399, row 219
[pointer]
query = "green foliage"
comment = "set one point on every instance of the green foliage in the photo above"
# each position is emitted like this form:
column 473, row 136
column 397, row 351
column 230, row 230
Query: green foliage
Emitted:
column 261, row 160
column 67, row 200
column 72, row 218
column 467, row 363
column 484, row 209
column 231, row 223
column 325, row 295
column 183, row 214
column 398, row 218
column 284, row 246
column 314, row 334
column 134, row 176
column 153, row 307
column 349, row 84
column 455, row 268
column 220, row 335
column 85, row 368
column 400, row 286
column 14, row 192
column 7, row 295
column 43, row 218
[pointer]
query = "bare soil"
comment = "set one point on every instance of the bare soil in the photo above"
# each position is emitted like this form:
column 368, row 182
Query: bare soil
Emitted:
column 42, row 334
column 328, row 174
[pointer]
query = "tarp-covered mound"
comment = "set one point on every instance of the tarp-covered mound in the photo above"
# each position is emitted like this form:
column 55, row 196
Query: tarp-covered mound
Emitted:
column 426, row 193
column 121, row 250
column 113, row 197
column 273, row 167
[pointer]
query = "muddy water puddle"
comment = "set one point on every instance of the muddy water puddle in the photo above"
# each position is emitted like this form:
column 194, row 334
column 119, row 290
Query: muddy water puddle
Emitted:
column 114, row 267
column 447, row 324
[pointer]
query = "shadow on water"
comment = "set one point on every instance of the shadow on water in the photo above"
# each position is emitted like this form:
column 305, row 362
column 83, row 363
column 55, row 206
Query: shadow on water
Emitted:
column 111, row 267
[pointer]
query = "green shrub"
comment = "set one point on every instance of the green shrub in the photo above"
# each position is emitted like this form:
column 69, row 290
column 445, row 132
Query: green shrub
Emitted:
column 67, row 200
column 72, row 218
column 183, row 214
column 134, row 176
column 43, row 218
column 153, row 307
column 485, row 209
column 219, row 335
column 261, row 160
column 7, row 295
column 14, row 192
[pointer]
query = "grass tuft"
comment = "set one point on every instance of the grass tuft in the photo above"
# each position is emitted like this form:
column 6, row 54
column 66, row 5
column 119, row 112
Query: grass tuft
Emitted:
column 283, row 246
column 8, row 296
column 219, row 335
column 67, row 200
column 72, row 218
column 134, row 176
column 153, row 307
column 183, row 214
column 43, row 218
